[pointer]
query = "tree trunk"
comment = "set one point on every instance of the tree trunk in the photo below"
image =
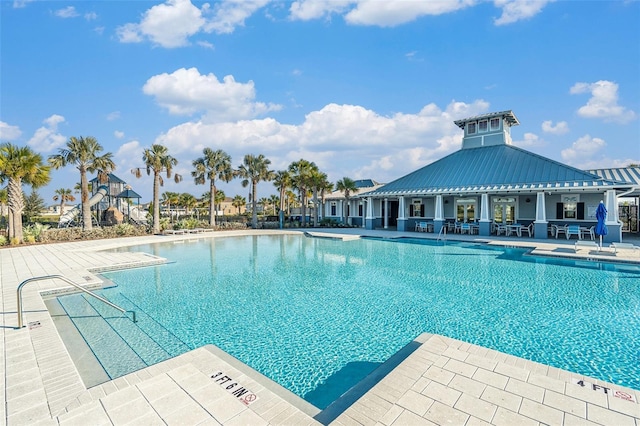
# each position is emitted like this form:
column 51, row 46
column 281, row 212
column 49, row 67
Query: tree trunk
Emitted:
column 86, row 208
column 212, row 204
column 315, row 208
column 156, row 202
column 303, row 198
column 16, row 205
column 254, row 216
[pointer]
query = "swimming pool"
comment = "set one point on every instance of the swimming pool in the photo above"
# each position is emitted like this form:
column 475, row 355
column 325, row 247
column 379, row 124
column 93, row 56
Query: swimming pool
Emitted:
column 317, row 315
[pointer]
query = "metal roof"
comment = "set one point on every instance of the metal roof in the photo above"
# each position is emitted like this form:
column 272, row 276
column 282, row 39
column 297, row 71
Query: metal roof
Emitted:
column 499, row 168
column 128, row 193
column 509, row 116
column 620, row 174
column 111, row 179
column 365, row 183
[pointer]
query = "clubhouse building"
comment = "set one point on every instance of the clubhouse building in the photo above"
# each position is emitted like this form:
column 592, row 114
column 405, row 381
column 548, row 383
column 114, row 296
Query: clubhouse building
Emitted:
column 491, row 184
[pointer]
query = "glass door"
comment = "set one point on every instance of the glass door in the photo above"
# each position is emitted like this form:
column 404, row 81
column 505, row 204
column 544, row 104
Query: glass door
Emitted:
column 466, row 210
column 504, row 210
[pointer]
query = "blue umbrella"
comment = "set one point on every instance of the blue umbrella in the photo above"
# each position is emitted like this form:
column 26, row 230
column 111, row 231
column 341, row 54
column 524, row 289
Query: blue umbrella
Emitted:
column 601, row 215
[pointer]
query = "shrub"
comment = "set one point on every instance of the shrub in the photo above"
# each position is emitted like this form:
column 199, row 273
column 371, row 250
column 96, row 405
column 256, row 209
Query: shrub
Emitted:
column 3, row 240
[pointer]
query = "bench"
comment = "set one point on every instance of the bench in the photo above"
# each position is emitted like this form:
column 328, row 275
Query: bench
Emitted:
column 173, row 232
column 587, row 244
column 623, row 246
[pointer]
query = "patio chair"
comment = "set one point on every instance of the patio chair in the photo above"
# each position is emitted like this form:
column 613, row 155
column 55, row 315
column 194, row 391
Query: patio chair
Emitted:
column 573, row 230
column 465, row 227
column 528, row 229
column 560, row 230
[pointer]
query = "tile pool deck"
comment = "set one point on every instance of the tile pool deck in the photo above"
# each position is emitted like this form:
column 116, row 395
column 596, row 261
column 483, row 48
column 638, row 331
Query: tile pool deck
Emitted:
column 441, row 380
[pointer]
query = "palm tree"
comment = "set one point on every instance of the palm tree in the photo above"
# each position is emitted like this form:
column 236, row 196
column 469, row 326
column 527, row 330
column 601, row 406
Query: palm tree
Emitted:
column 347, row 186
column 169, row 198
column 158, row 160
column 213, row 165
column 219, row 199
column 64, row 195
column 326, row 188
column 282, row 181
column 20, row 165
column 84, row 154
column 238, row 202
column 291, row 200
column 301, row 172
column 264, row 202
column 188, row 201
column 3, row 201
column 318, row 182
column 253, row 170
column 274, row 200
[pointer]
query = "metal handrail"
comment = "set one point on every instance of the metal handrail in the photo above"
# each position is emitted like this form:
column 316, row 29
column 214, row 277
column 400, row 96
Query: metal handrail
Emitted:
column 68, row 281
column 443, row 230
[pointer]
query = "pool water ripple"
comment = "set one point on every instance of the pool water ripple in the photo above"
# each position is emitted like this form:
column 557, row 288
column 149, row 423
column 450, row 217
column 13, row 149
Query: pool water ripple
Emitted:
column 299, row 310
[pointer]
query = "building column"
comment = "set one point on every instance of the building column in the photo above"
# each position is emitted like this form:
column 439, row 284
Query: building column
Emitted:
column 614, row 227
column 365, row 203
column 485, row 223
column 369, row 219
column 386, row 213
column 402, row 220
column 540, row 225
column 438, row 215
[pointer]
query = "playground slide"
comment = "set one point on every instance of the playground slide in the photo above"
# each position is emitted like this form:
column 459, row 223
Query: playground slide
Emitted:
column 69, row 216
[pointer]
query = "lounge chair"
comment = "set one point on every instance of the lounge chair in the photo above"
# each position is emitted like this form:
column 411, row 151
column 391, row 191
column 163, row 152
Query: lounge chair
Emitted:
column 587, row 244
column 465, row 227
column 624, row 246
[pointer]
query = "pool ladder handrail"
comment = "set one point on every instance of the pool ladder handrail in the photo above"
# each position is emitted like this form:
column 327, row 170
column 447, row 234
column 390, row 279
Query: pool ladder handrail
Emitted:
column 442, row 234
column 68, row 281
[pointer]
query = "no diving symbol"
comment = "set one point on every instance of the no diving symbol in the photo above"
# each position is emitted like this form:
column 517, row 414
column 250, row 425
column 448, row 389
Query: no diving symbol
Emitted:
column 249, row 398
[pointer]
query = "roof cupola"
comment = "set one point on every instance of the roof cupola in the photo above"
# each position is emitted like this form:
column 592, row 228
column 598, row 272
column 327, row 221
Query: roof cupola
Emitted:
column 487, row 129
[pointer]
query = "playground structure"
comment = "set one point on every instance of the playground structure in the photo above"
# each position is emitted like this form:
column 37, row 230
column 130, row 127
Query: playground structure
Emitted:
column 110, row 202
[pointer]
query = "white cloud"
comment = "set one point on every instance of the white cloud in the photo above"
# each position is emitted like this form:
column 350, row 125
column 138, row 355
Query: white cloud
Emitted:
column 118, row 134
column 90, row 16
column 206, row 45
column 518, row 10
column 560, row 128
column 603, row 102
column 8, row 132
column 305, row 10
column 186, row 91
column 47, row 138
column 582, row 149
column 373, row 12
column 67, row 12
column 128, row 156
column 113, row 115
column 530, row 139
column 168, row 25
column 18, row 4
column 172, row 23
column 340, row 139
column 230, row 14
column 395, row 12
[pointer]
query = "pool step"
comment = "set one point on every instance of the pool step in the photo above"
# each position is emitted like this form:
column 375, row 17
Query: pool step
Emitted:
column 163, row 337
column 118, row 343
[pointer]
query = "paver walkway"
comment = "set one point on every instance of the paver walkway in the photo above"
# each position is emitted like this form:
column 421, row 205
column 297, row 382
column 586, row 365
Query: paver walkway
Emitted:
column 443, row 381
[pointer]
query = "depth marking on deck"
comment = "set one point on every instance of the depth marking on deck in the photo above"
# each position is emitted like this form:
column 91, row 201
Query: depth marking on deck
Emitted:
column 626, row 396
column 243, row 394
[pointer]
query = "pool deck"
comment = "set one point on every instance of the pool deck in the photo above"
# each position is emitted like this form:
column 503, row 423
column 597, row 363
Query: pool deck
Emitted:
column 437, row 381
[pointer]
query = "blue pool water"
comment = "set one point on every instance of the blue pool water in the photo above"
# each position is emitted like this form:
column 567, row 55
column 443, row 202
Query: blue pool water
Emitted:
column 316, row 315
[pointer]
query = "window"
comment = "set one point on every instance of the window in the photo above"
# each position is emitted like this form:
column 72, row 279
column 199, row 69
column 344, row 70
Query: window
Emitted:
column 360, row 209
column 471, row 128
column 570, row 207
column 482, row 125
column 415, row 209
column 334, row 208
column 495, row 124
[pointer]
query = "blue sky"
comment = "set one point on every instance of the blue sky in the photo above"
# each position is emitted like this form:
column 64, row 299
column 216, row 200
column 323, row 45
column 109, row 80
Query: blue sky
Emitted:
column 365, row 89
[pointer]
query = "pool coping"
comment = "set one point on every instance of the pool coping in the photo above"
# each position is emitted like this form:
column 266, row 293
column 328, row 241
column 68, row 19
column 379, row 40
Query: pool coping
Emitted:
column 41, row 381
